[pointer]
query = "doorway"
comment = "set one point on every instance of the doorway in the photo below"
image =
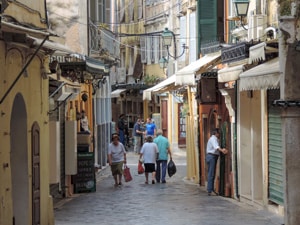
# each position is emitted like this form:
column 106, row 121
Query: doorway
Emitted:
column 19, row 162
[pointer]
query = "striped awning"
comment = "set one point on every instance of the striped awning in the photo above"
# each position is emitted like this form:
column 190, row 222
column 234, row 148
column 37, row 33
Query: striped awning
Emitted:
column 264, row 76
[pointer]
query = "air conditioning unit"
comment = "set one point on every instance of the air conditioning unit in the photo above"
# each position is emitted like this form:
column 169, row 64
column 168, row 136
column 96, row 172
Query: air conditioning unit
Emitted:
column 256, row 26
column 67, row 91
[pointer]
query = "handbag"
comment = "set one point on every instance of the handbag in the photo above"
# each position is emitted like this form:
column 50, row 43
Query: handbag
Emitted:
column 126, row 173
column 141, row 169
column 171, row 168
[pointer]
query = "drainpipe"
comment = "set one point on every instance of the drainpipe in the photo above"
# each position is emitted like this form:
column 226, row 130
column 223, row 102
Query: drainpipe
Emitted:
column 237, row 195
column 22, row 71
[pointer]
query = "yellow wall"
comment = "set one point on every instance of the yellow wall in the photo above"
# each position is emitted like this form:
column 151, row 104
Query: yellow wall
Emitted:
column 35, row 93
column 28, row 11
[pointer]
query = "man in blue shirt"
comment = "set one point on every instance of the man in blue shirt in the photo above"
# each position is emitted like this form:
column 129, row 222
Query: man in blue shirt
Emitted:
column 163, row 151
column 150, row 128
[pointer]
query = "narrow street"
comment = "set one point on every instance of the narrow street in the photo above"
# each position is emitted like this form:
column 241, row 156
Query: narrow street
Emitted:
column 178, row 202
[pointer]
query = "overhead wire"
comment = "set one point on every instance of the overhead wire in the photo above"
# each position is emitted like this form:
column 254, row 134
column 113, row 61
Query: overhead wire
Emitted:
column 152, row 34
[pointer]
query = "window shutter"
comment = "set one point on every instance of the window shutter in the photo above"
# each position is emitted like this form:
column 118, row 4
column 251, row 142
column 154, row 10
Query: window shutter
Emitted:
column 130, row 11
column 143, row 49
column 122, row 10
column 192, row 45
column 152, row 49
column 208, row 20
column 156, row 49
column 140, row 10
column 183, row 38
column 148, row 49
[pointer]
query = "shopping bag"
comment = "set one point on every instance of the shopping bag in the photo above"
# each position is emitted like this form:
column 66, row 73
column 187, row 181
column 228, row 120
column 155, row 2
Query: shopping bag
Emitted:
column 171, row 168
column 126, row 173
column 141, row 169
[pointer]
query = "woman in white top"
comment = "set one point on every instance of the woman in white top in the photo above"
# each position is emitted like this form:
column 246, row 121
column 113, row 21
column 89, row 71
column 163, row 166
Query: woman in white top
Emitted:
column 116, row 159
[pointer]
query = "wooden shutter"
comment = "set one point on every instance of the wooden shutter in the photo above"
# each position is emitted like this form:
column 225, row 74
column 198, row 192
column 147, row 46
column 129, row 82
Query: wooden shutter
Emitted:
column 207, row 20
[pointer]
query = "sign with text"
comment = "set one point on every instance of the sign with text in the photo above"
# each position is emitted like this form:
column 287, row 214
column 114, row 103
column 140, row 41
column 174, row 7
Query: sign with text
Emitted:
column 85, row 180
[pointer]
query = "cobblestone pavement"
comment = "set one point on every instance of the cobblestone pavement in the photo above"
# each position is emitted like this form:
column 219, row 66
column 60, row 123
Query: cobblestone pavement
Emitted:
column 177, row 202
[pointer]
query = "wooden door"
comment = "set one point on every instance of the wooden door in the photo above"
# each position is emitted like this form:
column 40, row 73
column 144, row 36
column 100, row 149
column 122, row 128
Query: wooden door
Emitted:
column 164, row 117
column 35, row 139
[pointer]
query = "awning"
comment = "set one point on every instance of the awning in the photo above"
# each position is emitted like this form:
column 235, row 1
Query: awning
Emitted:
column 257, row 52
column 264, row 76
column 186, row 76
column 165, row 85
column 52, row 45
column 230, row 73
column 116, row 93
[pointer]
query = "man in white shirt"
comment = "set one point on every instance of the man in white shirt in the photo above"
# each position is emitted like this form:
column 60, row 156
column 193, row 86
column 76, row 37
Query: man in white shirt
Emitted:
column 213, row 150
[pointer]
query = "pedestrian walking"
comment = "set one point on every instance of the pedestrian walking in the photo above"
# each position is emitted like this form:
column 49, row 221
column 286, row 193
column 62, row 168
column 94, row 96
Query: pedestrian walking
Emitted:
column 213, row 150
column 162, row 160
column 137, row 135
column 121, row 128
column 150, row 128
column 149, row 154
column 116, row 159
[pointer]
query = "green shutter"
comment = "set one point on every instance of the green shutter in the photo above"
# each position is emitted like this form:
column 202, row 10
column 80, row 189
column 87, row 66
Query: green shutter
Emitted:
column 275, row 150
column 207, row 20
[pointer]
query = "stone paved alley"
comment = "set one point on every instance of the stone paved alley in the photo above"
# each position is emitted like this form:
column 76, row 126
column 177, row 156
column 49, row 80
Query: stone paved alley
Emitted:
column 178, row 202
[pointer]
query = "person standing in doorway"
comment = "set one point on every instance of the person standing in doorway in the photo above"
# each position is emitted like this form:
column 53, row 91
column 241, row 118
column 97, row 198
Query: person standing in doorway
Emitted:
column 116, row 159
column 121, row 128
column 149, row 154
column 213, row 150
column 137, row 135
column 150, row 128
column 84, row 123
column 162, row 160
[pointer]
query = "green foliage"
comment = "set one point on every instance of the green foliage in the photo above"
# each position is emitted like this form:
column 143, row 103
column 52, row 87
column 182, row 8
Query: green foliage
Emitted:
column 150, row 79
column 285, row 7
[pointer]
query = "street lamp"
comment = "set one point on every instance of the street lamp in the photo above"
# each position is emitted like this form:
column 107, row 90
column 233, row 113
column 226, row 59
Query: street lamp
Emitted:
column 241, row 7
column 163, row 62
column 169, row 37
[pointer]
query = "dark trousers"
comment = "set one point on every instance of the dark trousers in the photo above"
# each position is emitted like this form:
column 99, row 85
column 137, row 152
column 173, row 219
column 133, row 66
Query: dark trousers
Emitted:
column 161, row 170
column 211, row 161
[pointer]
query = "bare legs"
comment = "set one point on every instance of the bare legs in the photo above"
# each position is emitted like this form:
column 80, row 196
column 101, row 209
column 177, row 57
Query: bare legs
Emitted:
column 118, row 181
column 147, row 175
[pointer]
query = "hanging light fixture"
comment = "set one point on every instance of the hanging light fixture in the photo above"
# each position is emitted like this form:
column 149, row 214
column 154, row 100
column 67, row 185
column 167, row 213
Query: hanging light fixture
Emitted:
column 167, row 37
column 163, row 62
column 241, row 7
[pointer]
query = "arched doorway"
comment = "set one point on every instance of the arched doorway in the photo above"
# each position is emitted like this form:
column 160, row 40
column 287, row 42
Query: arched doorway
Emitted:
column 19, row 161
